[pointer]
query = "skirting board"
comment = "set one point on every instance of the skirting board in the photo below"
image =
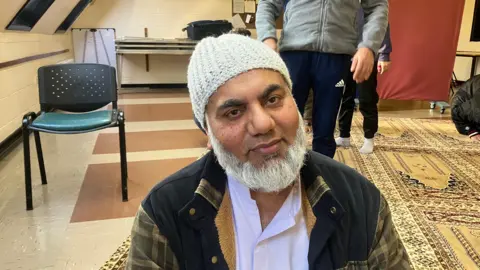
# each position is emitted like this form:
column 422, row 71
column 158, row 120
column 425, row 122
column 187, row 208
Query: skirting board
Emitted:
column 12, row 141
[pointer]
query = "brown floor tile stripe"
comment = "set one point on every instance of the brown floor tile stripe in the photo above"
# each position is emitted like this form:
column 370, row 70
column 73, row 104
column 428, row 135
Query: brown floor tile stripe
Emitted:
column 100, row 196
column 153, row 95
column 108, row 143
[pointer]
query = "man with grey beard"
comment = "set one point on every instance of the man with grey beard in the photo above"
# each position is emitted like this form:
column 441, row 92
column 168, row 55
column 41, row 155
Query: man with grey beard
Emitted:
column 259, row 200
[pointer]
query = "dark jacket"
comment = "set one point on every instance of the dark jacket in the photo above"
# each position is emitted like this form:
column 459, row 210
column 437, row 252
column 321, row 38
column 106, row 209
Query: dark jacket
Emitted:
column 386, row 47
column 186, row 221
column 466, row 107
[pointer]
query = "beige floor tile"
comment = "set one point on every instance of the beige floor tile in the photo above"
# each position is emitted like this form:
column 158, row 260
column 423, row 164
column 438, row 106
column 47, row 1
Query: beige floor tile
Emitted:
column 151, row 141
column 44, row 238
column 155, row 126
column 148, row 155
column 88, row 245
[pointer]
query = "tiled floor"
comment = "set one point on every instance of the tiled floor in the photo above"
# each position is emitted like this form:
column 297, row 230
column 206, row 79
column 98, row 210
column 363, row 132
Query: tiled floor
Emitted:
column 45, row 238
column 79, row 219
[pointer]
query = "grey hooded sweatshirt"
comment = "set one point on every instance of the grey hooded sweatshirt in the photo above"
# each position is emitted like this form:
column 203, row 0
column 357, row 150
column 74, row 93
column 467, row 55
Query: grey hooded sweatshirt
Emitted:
column 327, row 26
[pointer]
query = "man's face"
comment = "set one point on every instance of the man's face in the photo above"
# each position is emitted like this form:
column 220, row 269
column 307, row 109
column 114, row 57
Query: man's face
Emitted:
column 256, row 132
column 254, row 117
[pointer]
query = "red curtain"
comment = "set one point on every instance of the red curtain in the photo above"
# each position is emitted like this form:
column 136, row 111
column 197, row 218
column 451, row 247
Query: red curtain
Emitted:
column 424, row 39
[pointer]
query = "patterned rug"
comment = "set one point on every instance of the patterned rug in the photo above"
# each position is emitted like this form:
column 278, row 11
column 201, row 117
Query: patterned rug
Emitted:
column 430, row 176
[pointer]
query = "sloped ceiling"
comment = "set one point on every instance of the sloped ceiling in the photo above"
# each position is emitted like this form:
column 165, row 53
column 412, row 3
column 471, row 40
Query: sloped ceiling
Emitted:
column 8, row 11
column 54, row 16
column 47, row 24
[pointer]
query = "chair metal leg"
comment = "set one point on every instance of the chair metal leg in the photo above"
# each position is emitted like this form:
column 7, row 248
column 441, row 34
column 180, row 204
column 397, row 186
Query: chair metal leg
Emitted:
column 41, row 163
column 123, row 156
column 27, row 165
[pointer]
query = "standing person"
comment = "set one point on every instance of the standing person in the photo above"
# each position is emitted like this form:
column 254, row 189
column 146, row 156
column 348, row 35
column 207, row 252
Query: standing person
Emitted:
column 368, row 100
column 317, row 43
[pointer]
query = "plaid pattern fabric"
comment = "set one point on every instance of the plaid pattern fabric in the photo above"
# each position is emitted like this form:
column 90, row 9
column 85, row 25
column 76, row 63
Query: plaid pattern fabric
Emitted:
column 316, row 190
column 387, row 250
column 207, row 191
column 149, row 249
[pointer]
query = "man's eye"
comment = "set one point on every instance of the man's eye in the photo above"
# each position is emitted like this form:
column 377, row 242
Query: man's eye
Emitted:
column 233, row 113
column 273, row 100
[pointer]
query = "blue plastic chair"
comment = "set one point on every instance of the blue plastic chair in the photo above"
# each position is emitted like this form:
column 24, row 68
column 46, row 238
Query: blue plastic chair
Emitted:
column 70, row 98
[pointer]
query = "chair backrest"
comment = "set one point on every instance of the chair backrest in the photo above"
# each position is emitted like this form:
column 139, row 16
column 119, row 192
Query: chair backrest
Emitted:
column 77, row 87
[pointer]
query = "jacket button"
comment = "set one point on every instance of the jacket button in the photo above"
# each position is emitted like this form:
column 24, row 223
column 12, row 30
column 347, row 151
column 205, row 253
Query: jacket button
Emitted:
column 214, row 259
column 333, row 210
column 192, row 211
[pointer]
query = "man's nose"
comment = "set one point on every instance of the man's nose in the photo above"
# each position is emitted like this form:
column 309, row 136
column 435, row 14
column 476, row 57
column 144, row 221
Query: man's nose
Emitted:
column 261, row 122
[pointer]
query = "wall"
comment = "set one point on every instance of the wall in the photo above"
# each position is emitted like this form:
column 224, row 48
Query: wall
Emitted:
column 49, row 21
column 54, row 16
column 164, row 19
column 462, row 64
column 18, row 84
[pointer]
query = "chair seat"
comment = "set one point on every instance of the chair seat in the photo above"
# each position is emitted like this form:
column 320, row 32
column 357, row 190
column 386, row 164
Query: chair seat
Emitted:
column 73, row 122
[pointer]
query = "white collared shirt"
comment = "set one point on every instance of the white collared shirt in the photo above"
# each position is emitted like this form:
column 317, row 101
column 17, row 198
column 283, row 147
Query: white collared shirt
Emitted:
column 284, row 242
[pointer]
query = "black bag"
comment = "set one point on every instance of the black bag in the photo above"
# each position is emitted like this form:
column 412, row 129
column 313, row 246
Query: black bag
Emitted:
column 200, row 29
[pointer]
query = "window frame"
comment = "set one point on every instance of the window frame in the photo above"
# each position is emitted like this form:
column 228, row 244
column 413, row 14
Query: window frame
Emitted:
column 27, row 28
column 475, row 31
column 79, row 8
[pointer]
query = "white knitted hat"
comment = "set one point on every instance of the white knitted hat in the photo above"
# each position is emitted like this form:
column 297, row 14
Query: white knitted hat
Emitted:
column 217, row 60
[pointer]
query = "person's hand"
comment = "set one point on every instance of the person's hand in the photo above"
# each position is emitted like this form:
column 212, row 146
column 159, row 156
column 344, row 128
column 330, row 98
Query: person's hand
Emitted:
column 383, row 66
column 272, row 43
column 362, row 64
column 475, row 138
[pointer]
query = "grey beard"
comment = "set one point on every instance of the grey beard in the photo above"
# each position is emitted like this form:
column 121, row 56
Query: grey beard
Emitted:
column 274, row 175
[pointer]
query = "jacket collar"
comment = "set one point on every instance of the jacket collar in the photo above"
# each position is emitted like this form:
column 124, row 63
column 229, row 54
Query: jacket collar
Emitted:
column 209, row 194
column 320, row 196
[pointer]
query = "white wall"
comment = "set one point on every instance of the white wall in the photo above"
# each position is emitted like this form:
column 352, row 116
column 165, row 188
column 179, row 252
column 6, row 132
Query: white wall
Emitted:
column 18, row 84
column 164, row 19
column 462, row 64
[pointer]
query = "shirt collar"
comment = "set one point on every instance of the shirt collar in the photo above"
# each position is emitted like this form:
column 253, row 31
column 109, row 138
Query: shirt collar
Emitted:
column 294, row 197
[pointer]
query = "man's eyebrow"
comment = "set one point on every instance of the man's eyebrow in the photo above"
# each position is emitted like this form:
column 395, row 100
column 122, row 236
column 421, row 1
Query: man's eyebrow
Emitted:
column 269, row 90
column 231, row 103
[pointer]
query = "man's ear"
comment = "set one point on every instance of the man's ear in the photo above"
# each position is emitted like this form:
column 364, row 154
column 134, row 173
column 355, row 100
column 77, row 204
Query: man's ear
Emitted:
column 209, row 145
